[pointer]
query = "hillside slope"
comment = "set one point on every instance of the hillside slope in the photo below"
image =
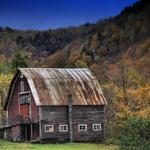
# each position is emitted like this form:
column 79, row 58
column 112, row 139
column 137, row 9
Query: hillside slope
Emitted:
column 97, row 46
column 126, row 35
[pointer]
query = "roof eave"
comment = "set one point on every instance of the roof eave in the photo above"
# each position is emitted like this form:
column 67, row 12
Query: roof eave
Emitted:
column 10, row 90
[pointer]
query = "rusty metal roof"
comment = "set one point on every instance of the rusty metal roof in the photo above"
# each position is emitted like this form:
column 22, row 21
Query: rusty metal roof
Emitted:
column 50, row 86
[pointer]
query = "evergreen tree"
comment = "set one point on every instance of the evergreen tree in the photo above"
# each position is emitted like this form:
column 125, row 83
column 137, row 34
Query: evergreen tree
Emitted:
column 19, row 60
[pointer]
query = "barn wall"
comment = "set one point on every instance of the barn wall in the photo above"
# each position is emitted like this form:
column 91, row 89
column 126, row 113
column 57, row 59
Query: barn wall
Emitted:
column 13, row 133
column 8, row 134
column 54, row 116
column 13, row 110
column 16, row 133
column 88, row 115
column 81, row 115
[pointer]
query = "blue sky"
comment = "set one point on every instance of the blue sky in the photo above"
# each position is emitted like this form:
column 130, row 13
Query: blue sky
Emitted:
column 44, row 14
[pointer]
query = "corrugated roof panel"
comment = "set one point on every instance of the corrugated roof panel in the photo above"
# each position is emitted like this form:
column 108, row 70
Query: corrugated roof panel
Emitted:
column 34, row 91
column 50, row 86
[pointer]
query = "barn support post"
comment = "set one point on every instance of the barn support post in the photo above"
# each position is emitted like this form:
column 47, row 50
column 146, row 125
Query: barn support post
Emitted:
column 26, row 134
column 5, row 124
column 69, row 97
column 40, row 123
column 104, row 122
column 31, row 132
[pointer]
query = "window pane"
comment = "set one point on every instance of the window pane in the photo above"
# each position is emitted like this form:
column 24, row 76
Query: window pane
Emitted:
column 24, row 99
column 49, row 128
column 82, row 127
column 96, row 127
column 63, row 128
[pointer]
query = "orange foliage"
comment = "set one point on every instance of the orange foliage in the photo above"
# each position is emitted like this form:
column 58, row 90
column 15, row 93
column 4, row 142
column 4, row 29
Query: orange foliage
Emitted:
column 133, row 103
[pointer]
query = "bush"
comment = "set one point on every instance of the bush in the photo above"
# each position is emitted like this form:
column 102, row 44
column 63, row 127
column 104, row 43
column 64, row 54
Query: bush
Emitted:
column 135, row 135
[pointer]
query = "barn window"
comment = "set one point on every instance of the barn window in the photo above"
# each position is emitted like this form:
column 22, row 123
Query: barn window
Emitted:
column 82, row 127
column 24, row 99
column 49, row 128
column 22, row 86
column 96, row 127
column 63, row 128
column 21, row 75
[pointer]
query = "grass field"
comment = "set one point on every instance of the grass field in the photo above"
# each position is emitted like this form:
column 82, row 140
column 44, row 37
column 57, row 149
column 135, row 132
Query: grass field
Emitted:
column 4, row 145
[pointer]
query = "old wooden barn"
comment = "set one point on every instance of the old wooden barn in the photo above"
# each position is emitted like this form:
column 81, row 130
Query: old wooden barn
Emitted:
column 55, row 105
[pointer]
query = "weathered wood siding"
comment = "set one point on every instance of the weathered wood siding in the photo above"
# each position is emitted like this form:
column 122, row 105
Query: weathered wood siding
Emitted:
column 54, row 116
column 88, row 115
column 13, row 133
column 80, row 115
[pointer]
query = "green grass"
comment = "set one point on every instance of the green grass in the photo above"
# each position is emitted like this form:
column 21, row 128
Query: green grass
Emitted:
column 4, row 145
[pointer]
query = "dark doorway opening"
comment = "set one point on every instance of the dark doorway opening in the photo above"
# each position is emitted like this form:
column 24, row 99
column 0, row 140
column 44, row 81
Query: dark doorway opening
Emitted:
column 35, row 130
column 26, row 132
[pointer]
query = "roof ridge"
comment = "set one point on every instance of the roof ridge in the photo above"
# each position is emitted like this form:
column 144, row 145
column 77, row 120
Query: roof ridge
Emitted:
column 53, row 68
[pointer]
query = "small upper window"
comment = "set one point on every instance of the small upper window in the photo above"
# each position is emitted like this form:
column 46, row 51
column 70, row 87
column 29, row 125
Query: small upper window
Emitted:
column 63, row 128
column 22, row 86
column 49, row 128
column 24, row 99
column 21, row 75
column 96, row 127
column 82, row 127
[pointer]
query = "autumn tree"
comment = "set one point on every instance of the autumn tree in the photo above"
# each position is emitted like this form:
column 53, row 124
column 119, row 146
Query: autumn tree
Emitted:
column 57, row 60
column 4, row 84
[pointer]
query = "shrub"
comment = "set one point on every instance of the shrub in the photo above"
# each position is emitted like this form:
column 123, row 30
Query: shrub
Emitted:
column 135, row 135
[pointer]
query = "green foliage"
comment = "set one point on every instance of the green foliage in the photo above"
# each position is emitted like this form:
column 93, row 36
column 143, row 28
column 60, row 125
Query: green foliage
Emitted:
column 4, row 65
column 135, row 78
column 4, row 85
column 4, row 68
column 135, row 135
column 80, row 64
column 19, row 60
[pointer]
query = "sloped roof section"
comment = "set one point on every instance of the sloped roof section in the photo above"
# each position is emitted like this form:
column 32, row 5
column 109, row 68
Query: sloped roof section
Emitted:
column 51, row 86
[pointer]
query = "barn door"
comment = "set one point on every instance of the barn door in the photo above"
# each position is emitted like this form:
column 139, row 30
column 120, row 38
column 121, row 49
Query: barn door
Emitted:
column 24, row 110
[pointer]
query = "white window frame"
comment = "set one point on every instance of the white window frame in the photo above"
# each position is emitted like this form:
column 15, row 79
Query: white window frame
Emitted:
column 24, row 99
column 22, row 86
column 52, row 126
column 21, row 75
column 79, row 129
column 62, row 130
column 97, row 125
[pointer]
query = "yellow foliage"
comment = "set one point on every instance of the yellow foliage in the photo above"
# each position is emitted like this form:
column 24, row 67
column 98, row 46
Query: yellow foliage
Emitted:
column 133, row 103
column 4, row 81
column 4, row 85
